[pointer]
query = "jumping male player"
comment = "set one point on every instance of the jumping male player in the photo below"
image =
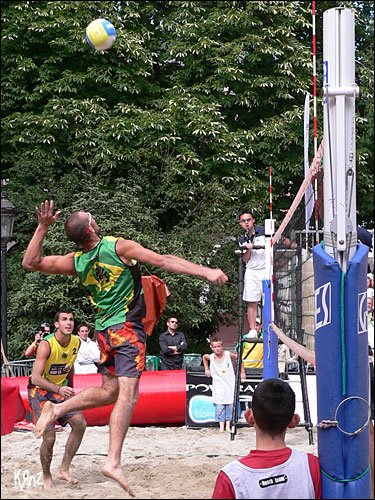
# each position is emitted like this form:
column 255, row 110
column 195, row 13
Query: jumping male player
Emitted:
column 109, row 268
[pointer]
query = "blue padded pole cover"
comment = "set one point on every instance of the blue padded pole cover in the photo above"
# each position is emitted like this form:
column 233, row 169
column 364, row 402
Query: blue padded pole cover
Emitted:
column 354, row 412
column 327, row 286
column 270, row 366
column 339, row 350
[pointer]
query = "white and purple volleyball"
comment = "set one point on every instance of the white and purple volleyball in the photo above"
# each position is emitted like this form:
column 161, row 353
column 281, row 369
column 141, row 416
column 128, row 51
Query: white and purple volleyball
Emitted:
column 101, row 34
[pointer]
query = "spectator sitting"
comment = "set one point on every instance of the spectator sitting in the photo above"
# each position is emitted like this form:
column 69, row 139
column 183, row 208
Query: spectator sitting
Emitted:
column 88, row 353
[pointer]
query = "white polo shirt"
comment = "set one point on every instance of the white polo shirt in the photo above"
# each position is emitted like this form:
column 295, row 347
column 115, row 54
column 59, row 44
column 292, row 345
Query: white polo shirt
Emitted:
column 88, row 355
column 257, row 257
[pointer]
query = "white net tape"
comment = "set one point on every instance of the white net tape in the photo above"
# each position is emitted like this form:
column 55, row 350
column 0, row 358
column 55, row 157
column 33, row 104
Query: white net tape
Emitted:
column 315, row 166
column 293, row 273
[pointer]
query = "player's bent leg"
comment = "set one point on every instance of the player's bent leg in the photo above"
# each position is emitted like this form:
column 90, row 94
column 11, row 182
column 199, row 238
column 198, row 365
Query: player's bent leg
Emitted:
column 47, row 417
column 46, row 452
column 92, row 397
column 119, row 424
column 78, row 425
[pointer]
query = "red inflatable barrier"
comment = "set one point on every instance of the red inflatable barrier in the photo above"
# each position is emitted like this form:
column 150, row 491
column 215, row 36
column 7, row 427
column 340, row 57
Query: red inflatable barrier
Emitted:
column 162, row 397
column 12, row 408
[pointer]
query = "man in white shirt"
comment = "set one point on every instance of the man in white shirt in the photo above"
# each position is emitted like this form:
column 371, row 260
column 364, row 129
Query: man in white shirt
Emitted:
column 88, row 353
column 255, row 260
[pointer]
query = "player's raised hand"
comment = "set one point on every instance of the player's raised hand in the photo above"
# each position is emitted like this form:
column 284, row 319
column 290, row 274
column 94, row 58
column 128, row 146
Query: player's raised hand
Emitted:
column 45, row 213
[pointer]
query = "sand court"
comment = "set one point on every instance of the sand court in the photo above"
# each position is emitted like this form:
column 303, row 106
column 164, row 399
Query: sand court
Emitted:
column 159, row 462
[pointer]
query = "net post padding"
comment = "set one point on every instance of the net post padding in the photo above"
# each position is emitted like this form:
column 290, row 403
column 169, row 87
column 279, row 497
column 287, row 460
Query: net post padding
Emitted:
column 299, row 349
column 315, row 166
column 270, row 366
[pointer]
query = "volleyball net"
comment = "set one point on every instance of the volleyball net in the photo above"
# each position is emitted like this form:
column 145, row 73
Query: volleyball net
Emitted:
column 293, row 271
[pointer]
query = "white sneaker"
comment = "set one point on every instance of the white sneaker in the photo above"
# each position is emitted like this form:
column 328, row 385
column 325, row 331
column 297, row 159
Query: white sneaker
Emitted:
column 252, row 334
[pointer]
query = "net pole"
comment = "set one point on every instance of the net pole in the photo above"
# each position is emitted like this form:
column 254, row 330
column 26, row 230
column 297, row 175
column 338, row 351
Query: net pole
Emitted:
column 271, row 256
column 315, row 125
column 237, row 387
column 269, row 338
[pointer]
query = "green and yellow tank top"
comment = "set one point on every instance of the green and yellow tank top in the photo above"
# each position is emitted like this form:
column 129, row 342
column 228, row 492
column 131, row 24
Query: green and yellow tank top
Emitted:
column 115, row 288
column 60, row 360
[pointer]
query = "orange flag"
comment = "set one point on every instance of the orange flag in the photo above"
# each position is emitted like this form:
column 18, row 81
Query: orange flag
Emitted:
column 156, row 293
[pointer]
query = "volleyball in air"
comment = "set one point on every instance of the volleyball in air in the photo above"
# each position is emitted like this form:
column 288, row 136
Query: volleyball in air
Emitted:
column 101, row 34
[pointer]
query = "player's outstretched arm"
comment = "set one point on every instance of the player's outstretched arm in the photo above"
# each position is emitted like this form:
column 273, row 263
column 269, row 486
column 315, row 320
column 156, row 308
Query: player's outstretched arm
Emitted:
column 128, row 250
column 33, row 260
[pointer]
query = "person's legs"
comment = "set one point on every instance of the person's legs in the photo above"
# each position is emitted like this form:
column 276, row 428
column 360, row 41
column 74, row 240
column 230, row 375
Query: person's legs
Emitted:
column 129, row 364
column 92, row 397
column 252, row 294
column 228, row 416
column 252, row 310
column 118, row 427
column 220, row 416
column 78, row 425
column 46, row 451
column 128, row 361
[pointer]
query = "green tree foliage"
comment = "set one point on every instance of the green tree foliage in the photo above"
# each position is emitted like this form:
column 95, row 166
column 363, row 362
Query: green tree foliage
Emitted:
column 163, row 137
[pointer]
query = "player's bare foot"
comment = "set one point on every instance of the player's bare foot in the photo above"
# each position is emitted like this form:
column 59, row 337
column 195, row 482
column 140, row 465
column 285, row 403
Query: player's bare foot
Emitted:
column 48, row 483
column 62, row 474
column 117, row 474
column 46, row 418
